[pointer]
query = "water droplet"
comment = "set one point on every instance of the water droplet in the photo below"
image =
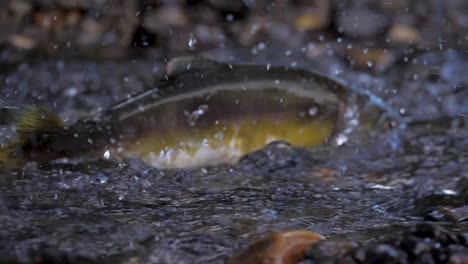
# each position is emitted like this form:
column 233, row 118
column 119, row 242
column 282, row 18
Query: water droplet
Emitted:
column 192, row 42
column 449, row 192
column 102, row 179
column 219, row 136
column 193, row 116
column 261, row 46
column 71, row 92
column 341, row 139
column 313, row 111
column 230, row 17
column 106, row 154
column 381, row 187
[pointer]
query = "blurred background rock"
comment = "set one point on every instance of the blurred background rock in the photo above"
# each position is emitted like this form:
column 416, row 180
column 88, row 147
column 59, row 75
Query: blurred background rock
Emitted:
column 365, row 34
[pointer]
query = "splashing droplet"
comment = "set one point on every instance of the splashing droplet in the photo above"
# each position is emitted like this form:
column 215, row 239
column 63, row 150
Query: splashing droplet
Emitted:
column 313, row 110
column 341, row 139
column 192, row 42
column 193, row 116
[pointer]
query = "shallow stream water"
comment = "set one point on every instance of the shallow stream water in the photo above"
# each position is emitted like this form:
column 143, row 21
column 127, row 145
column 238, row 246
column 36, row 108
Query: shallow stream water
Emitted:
column 366, row 190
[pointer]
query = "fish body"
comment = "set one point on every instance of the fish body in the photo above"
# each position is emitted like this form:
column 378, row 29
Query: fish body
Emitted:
column 203, row 113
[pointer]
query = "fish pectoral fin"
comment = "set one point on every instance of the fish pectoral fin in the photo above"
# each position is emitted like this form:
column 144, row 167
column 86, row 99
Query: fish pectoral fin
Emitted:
column 28, row 121
column 183, row 64
column 34, row 119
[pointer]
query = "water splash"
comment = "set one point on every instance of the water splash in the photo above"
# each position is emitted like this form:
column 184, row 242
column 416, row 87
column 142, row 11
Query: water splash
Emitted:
column 195, row 115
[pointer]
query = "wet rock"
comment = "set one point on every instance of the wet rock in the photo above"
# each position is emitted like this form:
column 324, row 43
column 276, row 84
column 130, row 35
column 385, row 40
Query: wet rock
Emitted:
column 458, row 258
column 91, row 32
column 48, row 256
column 394, row 5
column 192, row 249
column 423, row 243
column 164, row 18
column 284, row 247
column 454, row 67
column 50, row 20
column 457, row 13
column 444, row 214
column 22, row 42
column 377, row 59
column 404, row 34
column 260, row 27
column 278, row 154
column 329, row 250
column 361, row 22
column 72, row 29
column 20, row 8
column 316, row 17
column 209, row 35
column 228, row 5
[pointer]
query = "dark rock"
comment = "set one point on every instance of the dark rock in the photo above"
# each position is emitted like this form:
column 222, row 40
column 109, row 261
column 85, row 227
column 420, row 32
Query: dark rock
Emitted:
column 228, row 5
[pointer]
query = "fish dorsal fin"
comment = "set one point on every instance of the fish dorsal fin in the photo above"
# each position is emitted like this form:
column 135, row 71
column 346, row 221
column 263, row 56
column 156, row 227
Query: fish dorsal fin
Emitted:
column 183, row 64
column 34, row 119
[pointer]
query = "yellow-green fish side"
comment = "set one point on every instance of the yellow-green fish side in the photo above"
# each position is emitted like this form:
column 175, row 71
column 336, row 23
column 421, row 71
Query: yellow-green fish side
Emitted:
column 209, row 114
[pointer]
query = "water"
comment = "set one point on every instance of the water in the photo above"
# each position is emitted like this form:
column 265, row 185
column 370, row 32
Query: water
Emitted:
column 365, row 190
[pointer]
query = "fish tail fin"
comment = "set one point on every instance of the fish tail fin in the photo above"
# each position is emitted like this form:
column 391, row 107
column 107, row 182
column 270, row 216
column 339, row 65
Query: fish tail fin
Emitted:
column 28, row 121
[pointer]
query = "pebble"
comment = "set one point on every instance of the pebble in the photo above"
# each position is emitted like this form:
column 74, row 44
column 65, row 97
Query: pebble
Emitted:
column 162, row 19
column 21, row 41
column 228, row 5
column 457, row 13
column 405, row 34
column 286, row 247
column 51, row 20
column 378, row 59
column 361, row 22
column 314, row 18
column 20, row 8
